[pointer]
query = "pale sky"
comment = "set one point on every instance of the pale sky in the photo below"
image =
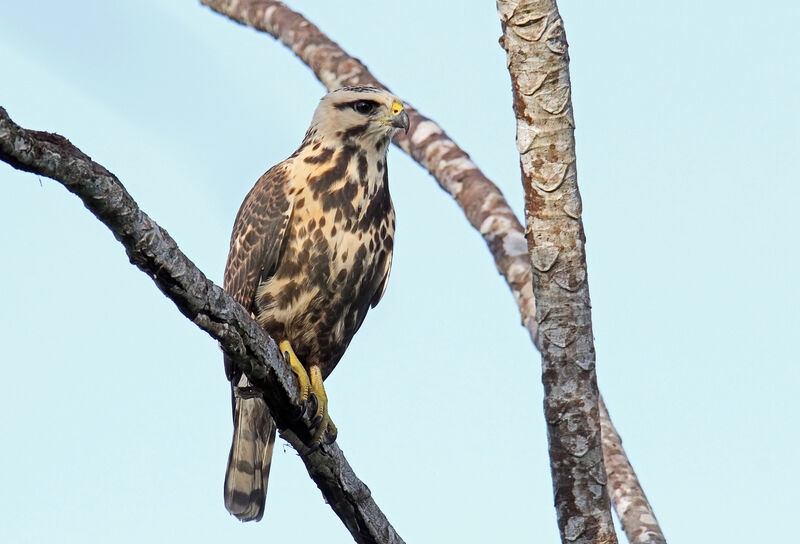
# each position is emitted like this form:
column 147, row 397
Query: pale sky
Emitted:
column 115, row 409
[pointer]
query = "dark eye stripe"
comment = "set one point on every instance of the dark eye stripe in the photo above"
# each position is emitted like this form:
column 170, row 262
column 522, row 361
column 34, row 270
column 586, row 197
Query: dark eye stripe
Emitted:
column 352, row 103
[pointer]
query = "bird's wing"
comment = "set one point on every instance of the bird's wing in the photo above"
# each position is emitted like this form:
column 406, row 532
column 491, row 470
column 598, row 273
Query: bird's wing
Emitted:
column 258, row 236
column 387, row 267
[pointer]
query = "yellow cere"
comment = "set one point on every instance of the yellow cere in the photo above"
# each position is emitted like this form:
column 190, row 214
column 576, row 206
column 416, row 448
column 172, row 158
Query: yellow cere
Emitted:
column 397, row 107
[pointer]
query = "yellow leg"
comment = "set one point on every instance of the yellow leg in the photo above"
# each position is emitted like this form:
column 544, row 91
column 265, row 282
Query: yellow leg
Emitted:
column 325, row 423
column 297, row 368
column 311, row 382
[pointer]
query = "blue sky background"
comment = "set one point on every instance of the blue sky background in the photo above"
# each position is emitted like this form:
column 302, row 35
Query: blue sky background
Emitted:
column 115, row 410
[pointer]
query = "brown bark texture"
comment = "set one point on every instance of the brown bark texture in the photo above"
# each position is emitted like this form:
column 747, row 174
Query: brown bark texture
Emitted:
column 152, row 250
column 636, row 516
column 481, row 201
column 533, row 36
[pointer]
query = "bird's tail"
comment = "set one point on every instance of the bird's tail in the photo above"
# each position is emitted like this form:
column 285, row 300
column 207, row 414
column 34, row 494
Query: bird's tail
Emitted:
column 251, row 454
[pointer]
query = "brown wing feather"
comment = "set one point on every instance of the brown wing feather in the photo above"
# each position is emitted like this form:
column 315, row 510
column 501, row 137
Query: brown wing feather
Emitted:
column 387, row 268
column 256, row 243
column 257, row 238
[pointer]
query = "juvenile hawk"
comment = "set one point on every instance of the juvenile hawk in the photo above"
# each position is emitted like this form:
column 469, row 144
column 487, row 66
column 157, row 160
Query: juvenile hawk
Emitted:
column 310, row 253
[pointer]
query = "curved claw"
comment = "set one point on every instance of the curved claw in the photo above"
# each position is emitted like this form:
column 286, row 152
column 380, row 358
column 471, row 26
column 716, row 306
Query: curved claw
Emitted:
column 310, row 449
column 307, row 408
column 330, row 436
column 312, row 406
column 314, row 410
column 322, row 421
column 297, row 415
column 327, row 437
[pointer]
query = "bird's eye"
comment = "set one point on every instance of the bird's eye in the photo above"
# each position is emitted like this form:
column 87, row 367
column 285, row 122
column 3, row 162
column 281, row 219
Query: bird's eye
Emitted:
column 364, row 107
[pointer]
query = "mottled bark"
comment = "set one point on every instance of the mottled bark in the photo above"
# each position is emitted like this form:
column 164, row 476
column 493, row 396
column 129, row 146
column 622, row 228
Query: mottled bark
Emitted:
column 533, row 36
column 637, row 518
column 481, row 201
column 151, row 248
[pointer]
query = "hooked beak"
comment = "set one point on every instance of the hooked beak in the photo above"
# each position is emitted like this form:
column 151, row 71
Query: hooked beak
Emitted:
column 400, row 120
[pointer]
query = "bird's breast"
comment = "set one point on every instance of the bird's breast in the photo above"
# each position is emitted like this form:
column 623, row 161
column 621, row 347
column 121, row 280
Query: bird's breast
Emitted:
column 336, row 256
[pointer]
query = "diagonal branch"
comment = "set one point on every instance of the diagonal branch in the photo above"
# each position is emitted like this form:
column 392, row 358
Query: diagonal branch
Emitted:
column 481, row 201
column 638, row 519
column 533, row 36
column 151, row 248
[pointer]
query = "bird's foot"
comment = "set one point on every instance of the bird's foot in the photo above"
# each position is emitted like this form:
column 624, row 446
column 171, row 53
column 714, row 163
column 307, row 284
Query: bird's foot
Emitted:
column 325, row 429
column 312, row 397
column 299, row 370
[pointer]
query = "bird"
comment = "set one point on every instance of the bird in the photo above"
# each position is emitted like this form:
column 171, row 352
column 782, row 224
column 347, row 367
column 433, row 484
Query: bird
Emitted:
column 310, row 254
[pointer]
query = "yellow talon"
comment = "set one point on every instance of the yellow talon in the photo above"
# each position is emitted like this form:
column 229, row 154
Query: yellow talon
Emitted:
column 311, row 382
column 297, row 368
column 325, row 423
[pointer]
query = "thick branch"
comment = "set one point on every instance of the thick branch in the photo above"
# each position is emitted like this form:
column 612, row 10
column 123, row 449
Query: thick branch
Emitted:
column 533, row 36
column 481, row 201
column 150, row 248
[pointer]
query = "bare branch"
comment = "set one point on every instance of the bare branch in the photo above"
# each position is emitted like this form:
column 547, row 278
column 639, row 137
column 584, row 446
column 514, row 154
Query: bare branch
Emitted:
column 636, row 516
column 533, row 36
column 481, row 201
column 151, row 248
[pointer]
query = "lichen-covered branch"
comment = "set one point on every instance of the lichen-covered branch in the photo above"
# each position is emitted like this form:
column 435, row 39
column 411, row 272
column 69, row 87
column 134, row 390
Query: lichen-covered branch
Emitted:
column 481, row 201
column 151, row 248
column 533, row 36
column 637, row 518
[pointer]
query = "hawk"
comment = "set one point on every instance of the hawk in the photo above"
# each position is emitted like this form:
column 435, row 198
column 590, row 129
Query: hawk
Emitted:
column 310, row 253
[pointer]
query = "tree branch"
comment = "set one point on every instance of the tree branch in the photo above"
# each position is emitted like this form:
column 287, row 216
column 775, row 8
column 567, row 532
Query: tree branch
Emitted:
column 533, row 36
column 479, row 198
column 637, row 517
column 152, row 250
column 481, row 201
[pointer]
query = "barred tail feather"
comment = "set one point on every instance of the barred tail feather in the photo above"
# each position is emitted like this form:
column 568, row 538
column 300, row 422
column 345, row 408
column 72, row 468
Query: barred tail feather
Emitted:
column 250, row 457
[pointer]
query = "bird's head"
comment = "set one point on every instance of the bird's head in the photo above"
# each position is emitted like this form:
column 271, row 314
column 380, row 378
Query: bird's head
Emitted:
column 358, row 113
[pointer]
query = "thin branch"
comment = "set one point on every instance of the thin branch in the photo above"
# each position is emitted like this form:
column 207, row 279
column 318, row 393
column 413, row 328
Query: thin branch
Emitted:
column 533, row 36
column 481, row 201
column 150, row 248
column 637, row 517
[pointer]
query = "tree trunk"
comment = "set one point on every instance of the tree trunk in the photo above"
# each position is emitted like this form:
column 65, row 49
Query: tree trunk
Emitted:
column 533, row 36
